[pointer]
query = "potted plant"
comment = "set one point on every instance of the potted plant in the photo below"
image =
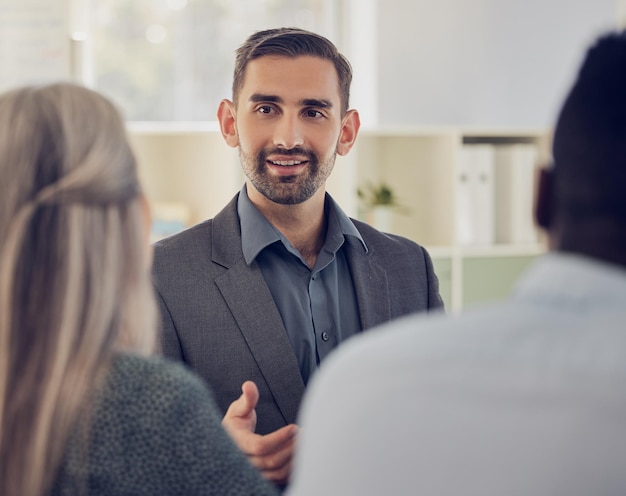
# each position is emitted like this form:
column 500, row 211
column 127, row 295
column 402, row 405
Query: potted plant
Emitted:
column 378, row 201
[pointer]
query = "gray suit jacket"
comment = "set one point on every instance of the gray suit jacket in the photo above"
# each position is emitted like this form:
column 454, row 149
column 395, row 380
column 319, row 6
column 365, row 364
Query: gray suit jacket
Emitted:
column 218, row 315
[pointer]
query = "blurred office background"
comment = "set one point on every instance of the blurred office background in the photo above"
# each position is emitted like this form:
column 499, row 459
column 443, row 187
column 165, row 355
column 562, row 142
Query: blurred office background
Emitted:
column 457, row 98
column 451, row 62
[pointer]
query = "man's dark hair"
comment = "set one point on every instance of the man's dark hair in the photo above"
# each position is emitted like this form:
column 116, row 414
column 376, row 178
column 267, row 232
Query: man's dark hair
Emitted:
column 292, row 42
column 589, row 145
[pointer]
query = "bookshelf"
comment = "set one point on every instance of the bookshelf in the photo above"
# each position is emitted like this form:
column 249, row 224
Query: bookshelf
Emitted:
column 423, row 166
column 190, row 165
column 186, row 164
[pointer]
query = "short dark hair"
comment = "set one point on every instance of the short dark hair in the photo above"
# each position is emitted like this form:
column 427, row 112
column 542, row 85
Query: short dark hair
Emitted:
column 292, row 42
column 589, row 147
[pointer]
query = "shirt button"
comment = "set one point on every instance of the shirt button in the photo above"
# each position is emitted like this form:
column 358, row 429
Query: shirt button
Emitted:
column 325, row 336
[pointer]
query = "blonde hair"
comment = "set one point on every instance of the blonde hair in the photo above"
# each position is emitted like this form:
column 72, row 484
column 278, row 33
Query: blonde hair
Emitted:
column 74, row 270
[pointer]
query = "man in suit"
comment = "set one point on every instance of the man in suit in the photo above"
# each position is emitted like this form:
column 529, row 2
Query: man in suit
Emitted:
column 520, row 397
column 269, row 287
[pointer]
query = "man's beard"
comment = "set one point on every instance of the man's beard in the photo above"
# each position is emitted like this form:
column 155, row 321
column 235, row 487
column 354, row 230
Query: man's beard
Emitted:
column 287, row 190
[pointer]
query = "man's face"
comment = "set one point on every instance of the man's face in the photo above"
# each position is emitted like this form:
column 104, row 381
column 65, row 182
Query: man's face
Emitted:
column 288, row 121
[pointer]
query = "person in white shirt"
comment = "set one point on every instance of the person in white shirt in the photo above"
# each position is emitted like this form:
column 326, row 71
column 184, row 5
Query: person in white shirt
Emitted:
column 521, row 397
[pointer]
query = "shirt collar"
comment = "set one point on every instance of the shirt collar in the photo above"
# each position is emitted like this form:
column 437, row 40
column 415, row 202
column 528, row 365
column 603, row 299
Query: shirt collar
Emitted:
column 339, row 226
column 257, row 232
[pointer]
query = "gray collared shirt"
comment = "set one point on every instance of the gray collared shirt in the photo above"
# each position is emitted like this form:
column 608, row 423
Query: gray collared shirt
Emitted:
column 318, row 306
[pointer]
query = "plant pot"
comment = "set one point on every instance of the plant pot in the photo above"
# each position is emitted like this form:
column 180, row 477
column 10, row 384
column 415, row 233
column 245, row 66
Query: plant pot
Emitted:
column 380, row 217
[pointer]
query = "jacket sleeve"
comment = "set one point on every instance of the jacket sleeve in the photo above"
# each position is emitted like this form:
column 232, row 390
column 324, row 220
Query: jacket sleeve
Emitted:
column 434, row 298
column 170, row 344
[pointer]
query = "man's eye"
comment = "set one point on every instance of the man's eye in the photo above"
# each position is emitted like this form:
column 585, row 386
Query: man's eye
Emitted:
column 265, row 109
column 313, row 113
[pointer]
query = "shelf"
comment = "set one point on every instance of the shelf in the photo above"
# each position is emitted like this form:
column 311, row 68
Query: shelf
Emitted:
column 421, row 164
column 195, row 168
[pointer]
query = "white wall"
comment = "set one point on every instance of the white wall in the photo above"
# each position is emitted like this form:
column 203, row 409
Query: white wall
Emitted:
column 34, row 46
column 480, row 63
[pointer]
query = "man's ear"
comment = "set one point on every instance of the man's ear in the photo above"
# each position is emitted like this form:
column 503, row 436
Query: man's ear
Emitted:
column 228, row 123
column 544, row 199
column 349, row 129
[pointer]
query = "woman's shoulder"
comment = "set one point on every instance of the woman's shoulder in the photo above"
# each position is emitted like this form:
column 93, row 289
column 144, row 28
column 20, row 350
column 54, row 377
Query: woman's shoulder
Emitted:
column 130, row 366
column 155, row 429
column 133, row 377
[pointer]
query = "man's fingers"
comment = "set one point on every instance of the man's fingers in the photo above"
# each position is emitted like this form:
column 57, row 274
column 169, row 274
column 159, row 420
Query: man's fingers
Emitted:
column 274, row 456
column 276, row 441
column 276, row 461
column 271, row 453
column 246, row 403
column 278, row 476
column 250, row 393
column 257, row 445
column 240, row 418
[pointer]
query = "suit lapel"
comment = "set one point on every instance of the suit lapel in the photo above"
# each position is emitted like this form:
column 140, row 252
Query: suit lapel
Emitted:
column 255, row 312
column 370, row 285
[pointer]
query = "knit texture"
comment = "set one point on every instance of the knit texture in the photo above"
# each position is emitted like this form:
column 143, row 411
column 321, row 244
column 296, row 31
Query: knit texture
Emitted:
column 155, row 430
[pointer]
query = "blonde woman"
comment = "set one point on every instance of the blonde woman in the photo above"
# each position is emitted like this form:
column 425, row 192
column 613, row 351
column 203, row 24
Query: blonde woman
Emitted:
column 83, row 408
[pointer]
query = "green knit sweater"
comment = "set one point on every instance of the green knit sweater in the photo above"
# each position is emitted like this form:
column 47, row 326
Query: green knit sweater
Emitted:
column 155, row 430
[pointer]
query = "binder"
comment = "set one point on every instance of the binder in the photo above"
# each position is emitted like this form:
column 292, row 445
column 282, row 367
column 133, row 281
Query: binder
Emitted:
column 515, row 172
column 475, row 195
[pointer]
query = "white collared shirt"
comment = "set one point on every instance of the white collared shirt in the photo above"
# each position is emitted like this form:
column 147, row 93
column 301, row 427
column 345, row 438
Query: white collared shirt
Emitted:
column 523, row 397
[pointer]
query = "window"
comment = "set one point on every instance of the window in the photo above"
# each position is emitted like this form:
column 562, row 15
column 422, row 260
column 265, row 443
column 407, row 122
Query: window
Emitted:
column 172, row 60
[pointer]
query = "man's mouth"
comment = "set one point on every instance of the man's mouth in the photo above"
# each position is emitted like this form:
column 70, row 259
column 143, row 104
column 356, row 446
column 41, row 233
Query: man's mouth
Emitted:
column 287, row 163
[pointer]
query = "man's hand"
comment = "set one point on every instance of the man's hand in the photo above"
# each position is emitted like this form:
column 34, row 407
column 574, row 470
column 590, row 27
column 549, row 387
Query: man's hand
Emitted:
column 272, row 453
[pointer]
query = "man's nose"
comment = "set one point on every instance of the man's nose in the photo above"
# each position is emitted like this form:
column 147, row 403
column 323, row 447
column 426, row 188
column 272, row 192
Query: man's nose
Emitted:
column 288, row 132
